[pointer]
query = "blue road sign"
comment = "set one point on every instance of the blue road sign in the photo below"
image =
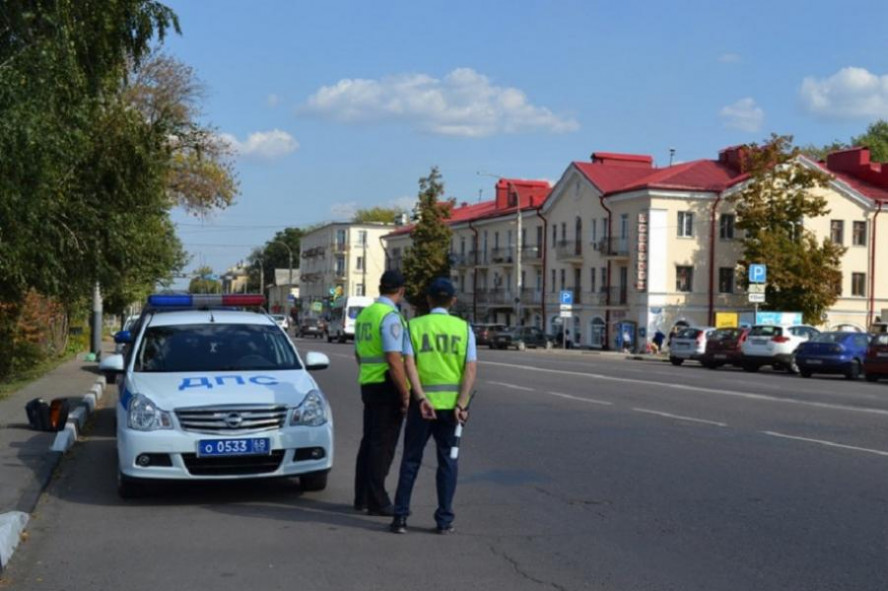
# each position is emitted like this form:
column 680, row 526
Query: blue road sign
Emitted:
column 758, row 273
column 567, row 297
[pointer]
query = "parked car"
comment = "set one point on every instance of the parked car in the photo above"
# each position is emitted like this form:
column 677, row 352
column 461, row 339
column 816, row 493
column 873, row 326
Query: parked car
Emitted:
column 315, row 327
column 484, row 332
column 774, row 345
column 833, row 352
column 875, row 365
column 723, row 347
column 689, row 343
column 520, row 337
column 281, row 321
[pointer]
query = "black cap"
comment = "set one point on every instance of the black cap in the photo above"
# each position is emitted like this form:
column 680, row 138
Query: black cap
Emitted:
column 391, row 280
column 441, row 287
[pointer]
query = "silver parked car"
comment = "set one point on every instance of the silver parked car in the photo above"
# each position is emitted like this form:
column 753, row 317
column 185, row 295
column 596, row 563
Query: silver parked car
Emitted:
column 689, row 343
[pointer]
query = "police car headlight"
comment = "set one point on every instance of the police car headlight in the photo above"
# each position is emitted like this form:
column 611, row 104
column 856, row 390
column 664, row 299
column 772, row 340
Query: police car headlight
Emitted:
column 143, row 415
column 311, row 412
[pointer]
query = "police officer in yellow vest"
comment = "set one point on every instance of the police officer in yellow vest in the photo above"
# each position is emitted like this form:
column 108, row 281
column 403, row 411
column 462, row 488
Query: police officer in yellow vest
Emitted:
column 441, row 364
column 380, row 337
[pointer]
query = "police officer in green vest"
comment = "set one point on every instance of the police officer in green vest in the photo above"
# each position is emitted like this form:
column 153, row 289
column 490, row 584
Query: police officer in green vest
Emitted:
column 441, row 364
column 380, row 337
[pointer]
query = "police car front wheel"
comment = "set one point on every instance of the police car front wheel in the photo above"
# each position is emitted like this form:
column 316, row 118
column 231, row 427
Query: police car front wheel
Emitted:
column 129, row 487
column 313, row 481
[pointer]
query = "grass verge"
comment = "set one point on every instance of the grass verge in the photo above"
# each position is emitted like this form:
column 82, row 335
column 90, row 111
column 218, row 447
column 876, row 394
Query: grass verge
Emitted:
column 18, row 382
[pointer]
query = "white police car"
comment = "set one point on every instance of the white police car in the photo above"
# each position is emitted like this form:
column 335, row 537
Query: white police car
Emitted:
column 210, row 392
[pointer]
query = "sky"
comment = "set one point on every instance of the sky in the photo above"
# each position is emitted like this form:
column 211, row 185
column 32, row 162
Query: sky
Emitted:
column 339, row 105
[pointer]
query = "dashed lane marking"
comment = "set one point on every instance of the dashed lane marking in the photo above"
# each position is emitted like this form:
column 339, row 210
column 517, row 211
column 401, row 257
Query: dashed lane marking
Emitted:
column 679, row 417
column 878, row 452
column 580, row 398
column 512, row 386
column 733, row 393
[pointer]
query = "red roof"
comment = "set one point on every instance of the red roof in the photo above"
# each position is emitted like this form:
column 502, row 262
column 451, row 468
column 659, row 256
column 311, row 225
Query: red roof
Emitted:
column 698, row 175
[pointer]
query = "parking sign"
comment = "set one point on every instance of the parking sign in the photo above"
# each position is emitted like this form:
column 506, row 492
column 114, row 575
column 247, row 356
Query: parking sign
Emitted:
column 758, row 273
column 567, row 297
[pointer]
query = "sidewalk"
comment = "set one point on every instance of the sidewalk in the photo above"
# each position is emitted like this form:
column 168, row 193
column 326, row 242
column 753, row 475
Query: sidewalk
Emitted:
column 27, row 460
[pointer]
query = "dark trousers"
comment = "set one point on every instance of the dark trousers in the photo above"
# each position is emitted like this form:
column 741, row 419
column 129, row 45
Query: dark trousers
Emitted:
column 382, row 427
column 416, row 435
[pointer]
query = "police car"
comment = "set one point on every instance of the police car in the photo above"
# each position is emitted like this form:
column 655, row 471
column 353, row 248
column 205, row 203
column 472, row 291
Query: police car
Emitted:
column 213, row 392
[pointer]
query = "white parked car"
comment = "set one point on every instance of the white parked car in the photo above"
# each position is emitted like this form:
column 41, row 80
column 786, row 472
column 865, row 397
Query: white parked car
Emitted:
column 218, row 394
column 282, row 321
column 775, row 345
column 689, row 343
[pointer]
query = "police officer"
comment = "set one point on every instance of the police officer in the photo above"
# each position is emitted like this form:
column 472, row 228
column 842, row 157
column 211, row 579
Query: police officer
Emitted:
column 379, row 347
column 441, row 363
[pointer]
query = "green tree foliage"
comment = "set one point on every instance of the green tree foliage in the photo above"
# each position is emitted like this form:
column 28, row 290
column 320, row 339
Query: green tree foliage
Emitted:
column 385, row 215
column 876, row 139
column 429, row 255
column 802, row 271
column 204, row 281
column 274, row 255
column 820, row 152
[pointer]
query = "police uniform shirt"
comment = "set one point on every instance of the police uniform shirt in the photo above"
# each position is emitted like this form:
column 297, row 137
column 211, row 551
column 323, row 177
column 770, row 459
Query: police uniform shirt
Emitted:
column 471, row 350
column 394, row 336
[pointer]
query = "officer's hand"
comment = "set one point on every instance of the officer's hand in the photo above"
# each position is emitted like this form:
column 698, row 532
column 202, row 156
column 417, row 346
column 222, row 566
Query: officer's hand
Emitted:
column 405, row 404
column 461, row 415
column 426, row 410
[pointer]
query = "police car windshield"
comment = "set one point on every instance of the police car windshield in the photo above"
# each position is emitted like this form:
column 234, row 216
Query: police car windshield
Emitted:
column 214, row 347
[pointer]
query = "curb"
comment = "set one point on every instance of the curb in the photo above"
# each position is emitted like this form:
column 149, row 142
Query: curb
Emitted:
column 13, row 523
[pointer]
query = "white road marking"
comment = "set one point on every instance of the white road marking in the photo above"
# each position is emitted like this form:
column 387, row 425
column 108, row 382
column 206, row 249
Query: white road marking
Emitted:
column 660, row 385
column 513, row 386
column 580, row 398
column 827, row 443
column 343, row 355
column 679, row 417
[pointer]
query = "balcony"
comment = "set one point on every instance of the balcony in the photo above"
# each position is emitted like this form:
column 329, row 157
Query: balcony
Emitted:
column 462, row 259
column 532, row 255
column 531, row 296
column 502, row 255
column 613, row 246
column 313, row 252
column 339, row 247
column 569, row 251
column 618, row 296
column 595, row 298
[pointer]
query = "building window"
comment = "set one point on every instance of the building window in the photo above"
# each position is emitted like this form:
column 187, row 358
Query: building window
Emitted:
column 562, row 279
column 362, row 237
column 553, row 280
column 684, row 279
column 837, row 231
column 603, row 278
column 340, row 265
column 837, row 286
column 540, row 237
column 359, row 289
column 858, row 284
column 726, row 226
column 593, row 231
column 592, row 279
column 340, row 238
column 686, row 224
column 359, row 264
column 554, row 235
column 859, row 237
column 726, row 280
column 624, row 226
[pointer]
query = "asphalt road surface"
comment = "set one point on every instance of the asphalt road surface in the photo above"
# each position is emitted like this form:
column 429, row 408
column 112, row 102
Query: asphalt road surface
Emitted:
column 576, row 472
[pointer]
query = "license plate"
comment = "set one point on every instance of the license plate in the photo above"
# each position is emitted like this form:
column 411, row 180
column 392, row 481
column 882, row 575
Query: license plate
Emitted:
column 814, row 362
column 721, row 356
column 759, row 341
column 881, row 354
column 234, row 447
column 681, row 345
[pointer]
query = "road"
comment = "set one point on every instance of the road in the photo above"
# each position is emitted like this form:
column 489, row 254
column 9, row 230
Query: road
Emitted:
column 577, row 472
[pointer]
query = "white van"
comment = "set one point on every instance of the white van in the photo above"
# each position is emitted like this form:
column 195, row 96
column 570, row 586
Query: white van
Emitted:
column 342, row 317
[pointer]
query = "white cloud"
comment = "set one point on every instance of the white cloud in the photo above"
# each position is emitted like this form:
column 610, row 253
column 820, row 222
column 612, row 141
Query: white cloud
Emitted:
column 744, row 115
column 730, row 58
column 849, row 93
column 463, row 103
column 264, row 145
column 346, row 210
column 273, row 100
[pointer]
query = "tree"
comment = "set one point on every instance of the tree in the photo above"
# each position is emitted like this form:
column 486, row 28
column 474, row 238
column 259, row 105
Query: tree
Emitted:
column 168, row 93
column 876, row 139
column 429, row 255
column 274, row 255
column 385, row 215
column 771, row 208
column 819, row 153
column 205, row 281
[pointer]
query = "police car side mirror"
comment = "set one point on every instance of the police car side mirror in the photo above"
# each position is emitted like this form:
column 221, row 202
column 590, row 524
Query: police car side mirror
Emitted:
column 315, row 361
column 122, row 337
column 111, row 364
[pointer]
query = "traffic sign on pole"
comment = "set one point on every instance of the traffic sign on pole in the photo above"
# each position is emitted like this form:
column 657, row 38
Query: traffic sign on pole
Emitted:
column 756, row 298
column 758, row 273
column 567, row 297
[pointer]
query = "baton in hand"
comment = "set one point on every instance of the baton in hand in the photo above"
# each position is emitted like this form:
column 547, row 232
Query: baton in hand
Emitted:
column 457, row 434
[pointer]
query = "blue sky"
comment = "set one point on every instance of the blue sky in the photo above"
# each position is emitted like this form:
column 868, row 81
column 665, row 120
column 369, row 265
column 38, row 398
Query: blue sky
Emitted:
column 340, row 105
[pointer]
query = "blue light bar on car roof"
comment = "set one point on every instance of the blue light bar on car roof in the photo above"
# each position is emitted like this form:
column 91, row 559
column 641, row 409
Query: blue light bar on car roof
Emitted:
column 205, row 300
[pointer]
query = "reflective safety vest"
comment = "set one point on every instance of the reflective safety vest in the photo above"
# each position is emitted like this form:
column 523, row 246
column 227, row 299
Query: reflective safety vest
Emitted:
column 368, row 342
column 440, row 344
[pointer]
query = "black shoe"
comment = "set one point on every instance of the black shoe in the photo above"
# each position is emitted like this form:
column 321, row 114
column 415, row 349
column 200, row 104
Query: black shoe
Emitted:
column 382, row 511
column 360, row 507
column 399, row 525
column 447, row 529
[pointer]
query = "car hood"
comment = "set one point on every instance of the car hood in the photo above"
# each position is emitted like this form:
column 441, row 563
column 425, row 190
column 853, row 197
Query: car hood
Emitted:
column 175, row 390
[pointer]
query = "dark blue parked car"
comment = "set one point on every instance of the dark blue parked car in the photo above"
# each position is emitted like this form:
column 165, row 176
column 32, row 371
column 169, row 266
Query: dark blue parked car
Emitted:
column 833, row 352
